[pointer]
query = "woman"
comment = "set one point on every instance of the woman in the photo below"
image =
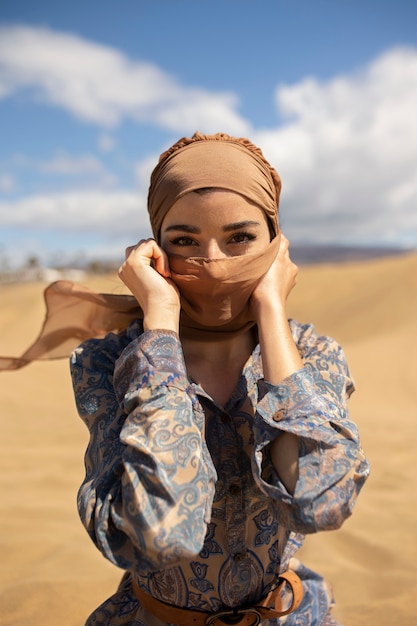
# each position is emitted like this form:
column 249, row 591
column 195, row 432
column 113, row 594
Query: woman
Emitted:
column 219, row 432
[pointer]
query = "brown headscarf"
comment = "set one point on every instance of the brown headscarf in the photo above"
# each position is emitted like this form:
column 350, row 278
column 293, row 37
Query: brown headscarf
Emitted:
column 217, row 161
column 75, row 313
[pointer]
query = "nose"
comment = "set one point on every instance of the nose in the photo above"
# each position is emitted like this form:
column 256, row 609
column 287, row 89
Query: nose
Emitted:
column 213, row 250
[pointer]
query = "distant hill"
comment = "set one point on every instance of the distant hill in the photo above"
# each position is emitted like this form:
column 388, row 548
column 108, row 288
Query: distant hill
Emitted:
column 311, row 255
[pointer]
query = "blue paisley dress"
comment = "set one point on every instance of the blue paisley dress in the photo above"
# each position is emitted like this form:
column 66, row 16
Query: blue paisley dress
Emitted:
column 181, row 493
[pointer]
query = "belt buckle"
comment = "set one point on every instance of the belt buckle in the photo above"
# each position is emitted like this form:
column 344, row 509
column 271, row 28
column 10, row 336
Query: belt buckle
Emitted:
column 234, row 616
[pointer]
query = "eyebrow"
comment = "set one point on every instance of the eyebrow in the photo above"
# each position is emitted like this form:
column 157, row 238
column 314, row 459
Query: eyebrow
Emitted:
column 240, row 225
column 186, row 228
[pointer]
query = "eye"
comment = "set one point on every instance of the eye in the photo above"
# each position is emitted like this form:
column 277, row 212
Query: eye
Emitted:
column 242, row 237
column 183, row 241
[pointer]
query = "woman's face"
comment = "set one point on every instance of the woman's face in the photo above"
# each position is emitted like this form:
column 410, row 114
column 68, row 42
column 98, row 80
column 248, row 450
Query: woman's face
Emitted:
column 214, row 224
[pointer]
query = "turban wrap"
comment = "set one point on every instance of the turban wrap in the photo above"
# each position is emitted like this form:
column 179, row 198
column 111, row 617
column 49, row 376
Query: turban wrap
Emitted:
column 213, row 161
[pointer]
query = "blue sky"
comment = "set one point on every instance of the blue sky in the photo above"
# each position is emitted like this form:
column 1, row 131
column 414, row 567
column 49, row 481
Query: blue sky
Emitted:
column 92, row 92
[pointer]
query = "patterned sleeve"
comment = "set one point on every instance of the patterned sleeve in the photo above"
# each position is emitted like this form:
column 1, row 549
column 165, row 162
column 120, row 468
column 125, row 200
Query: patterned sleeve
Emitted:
column 312, row 404
column 149, row 482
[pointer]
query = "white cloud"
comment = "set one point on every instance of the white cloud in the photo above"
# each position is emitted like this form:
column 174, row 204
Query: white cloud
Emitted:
column 85, row 168
column 101, row 85
column 144, row 169
column 106, row 143
column 346, row 148
column 7, row 183
column 103, row 213
column 347, row 153
column 66, row 165
column 62, row 227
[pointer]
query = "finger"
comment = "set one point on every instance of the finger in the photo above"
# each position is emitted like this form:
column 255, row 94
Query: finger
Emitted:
column 284, row 246
column 128, row 251
column 149, row 251
column 160, row 262
column 284, row 241
column 131, row 249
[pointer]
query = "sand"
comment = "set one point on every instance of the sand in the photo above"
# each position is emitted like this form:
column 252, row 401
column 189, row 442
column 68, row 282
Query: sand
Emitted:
column 50, row 572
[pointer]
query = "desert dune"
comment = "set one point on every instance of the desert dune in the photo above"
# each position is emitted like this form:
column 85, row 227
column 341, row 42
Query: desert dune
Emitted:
column 51, row 574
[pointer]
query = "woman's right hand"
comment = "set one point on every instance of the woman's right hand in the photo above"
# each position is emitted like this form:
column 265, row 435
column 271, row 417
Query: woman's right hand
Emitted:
column 146, row 273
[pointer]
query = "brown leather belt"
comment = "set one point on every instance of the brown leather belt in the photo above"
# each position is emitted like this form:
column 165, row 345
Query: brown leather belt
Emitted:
column 269, row 607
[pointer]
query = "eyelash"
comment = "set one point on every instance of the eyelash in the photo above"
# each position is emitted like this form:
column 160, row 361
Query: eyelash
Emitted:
column 180, row 241
column 184, row 241
column 244, row 237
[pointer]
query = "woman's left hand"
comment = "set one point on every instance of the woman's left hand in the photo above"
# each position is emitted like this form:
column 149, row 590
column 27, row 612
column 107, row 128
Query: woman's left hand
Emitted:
column 276, row 285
